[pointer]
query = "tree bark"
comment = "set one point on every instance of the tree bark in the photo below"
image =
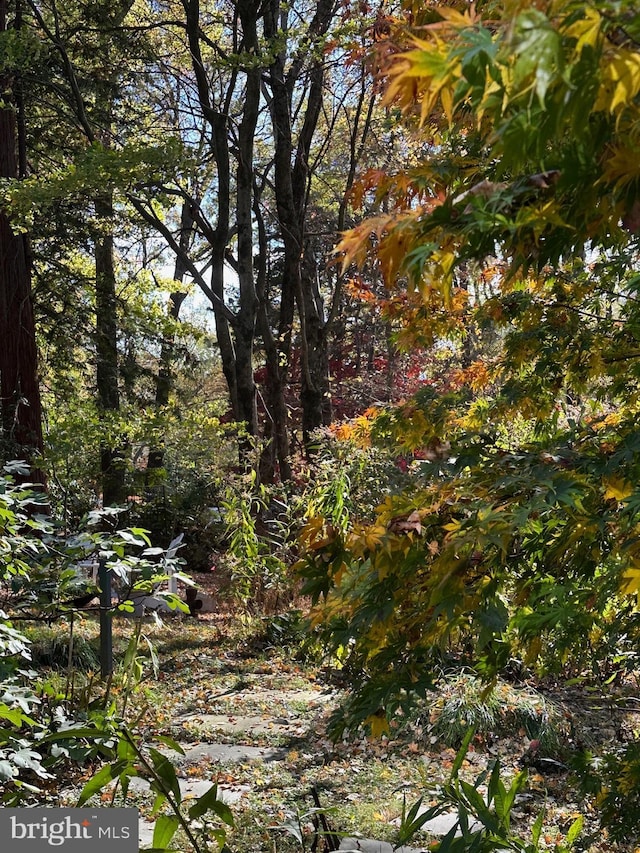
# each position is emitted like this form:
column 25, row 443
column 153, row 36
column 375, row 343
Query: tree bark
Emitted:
column 275, row 454
column 217, row 116
column 291, row 188
column 112, row 463
column 164, row 380
column 314, row 392
column 20, row 405
column 219, row 242
column 247, row 315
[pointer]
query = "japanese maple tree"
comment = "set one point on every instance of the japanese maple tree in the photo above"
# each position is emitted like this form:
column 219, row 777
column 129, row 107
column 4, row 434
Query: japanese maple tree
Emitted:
column 519, row 537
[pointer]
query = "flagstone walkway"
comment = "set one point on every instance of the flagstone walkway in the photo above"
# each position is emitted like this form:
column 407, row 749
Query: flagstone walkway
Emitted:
column 251, row 734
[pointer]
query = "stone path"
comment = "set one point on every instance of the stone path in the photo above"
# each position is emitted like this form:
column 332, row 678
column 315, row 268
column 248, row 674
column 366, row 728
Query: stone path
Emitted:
column 232, row 725
column 291, row 725
column 368, row 845
column 219, row 727
column 225, row 753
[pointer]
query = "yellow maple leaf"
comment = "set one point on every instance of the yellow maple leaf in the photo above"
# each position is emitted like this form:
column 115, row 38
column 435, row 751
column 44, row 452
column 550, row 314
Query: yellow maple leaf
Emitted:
column 631, row 582
column 354, row 244
column 533, row 651
column 586, row 30
column 620, row 80
column 459, row 19
column 621, row 166
column 374, row 535
column 378, row 723
column 617, row 488
column 446, row 99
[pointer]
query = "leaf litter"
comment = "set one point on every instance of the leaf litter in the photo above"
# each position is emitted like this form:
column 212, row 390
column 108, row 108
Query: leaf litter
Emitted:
column 364, row 781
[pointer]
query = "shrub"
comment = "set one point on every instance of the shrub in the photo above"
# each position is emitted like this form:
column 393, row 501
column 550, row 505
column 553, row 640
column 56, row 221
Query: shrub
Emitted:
column 464, row 702
column 41, row 572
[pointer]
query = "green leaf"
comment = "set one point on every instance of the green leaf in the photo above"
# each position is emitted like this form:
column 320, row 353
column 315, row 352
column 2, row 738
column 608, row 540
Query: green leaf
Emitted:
column 204, row 802
column 479, row 807
column 415, row 821
column 209, row 802
column 14, row 715
column 74, row 733
column 480, row 49
column 155, row 663
column 292, row 826
column 450, row 842
column 413, row 811
column 220, row 837
column 574, row 830
column 539, row 50
column 135, row 536
column 164, row 830
column 460, row 756
column 171, row 743
column 131, row 652
column 519, row 782
column 223, row 811
column 103, row 778
column 158, row 803
column 536, row 829
column 126, row 750
column 166, row 773
column 496, row 790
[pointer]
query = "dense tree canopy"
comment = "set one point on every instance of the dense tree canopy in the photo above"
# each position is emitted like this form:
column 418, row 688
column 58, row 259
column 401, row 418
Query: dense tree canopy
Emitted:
column 516, row 232
column 212, row 145
column 414, row 228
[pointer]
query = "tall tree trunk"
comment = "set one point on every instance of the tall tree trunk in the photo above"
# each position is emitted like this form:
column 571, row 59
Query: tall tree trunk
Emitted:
column 20, row 407
column 219, row 241
column 291, row 188
column 107, row 86
column 247, row 315
column 314, row 392
column 164, row 380
column 218, row 120
column 275, row 454
column 95, row 119
column 112, row 463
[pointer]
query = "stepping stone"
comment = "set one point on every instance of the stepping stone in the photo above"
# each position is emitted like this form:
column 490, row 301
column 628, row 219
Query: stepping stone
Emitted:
column 368, row 845
column 199, row 602
column 231, row 724
column 206, row 603
column 194, row 788
column 191, row 789
column 223, row 753
column 283, row 697
column 145, row 833
column 442, row 824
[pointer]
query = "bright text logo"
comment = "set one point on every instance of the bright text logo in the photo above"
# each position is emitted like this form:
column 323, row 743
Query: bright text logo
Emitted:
column 69, row 830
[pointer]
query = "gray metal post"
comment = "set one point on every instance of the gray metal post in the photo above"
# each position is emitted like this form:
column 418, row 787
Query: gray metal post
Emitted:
column 106, row 624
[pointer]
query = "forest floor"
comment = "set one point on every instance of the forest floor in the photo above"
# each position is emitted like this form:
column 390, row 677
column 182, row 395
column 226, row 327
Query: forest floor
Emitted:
column 252, row 717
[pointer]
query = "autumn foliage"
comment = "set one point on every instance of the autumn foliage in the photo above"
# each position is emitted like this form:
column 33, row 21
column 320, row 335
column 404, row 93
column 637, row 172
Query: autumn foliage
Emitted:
column 513, row 238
